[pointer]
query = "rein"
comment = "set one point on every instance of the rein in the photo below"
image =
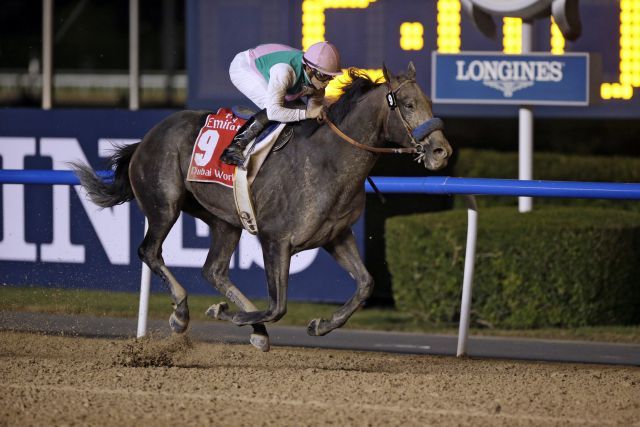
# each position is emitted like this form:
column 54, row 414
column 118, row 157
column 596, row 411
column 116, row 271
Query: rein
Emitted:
column 419, row 132
column 404, row 150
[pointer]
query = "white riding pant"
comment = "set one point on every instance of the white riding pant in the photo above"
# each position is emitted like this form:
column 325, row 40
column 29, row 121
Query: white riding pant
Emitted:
column 248, row 80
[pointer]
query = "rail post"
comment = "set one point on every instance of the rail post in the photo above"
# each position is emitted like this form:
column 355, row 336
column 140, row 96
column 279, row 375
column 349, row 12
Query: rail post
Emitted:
column 145, row 289
column 467, row 280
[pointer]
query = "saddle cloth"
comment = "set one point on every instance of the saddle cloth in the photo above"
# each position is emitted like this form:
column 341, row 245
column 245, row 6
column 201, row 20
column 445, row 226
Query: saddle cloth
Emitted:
column 205, row 166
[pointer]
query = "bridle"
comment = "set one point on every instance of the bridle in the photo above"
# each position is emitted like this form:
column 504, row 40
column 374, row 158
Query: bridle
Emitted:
column 416, row 134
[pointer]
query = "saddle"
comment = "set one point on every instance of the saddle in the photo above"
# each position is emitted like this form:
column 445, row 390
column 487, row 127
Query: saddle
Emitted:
column 216, row 134
column 284, row 137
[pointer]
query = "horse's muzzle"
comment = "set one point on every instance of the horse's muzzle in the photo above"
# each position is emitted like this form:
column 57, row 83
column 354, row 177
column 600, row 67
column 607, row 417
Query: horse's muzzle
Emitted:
column 434, row 152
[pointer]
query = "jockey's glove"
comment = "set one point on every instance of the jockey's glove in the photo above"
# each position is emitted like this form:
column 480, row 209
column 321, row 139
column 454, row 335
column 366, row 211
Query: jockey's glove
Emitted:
column 315, row 111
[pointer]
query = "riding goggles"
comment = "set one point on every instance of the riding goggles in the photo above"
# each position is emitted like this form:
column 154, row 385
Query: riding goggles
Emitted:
column 321, row 76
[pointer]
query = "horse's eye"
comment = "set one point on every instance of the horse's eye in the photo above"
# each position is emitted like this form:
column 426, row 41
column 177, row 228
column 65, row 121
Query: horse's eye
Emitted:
column 409, row 105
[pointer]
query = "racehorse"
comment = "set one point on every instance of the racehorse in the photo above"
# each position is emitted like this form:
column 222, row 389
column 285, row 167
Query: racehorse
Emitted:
column 306, row 195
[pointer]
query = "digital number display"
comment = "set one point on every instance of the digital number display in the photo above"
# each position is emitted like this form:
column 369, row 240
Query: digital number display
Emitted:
column 448, row 33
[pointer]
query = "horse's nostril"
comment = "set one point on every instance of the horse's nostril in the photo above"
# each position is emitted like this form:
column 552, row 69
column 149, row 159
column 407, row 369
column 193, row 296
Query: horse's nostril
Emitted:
column 439, row 153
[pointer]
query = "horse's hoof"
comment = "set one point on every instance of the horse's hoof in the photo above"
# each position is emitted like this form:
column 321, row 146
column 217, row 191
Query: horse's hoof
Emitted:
column 177, row 325
column 317, row 328
column 215, row 310
column 261, row 342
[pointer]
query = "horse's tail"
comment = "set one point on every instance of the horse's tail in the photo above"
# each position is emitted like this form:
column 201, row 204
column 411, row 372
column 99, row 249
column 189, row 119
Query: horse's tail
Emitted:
column 115, row 192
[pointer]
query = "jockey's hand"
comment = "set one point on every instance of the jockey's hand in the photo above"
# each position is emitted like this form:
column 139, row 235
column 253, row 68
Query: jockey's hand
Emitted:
column 324, row 114
column 318, row 113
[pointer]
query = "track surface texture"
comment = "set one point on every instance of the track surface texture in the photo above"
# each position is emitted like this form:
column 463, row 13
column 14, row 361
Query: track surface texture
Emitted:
column 61, row 380
column 342, row 339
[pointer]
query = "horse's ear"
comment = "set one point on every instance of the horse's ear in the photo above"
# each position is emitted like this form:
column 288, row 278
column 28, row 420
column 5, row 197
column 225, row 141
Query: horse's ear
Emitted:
column 411, row 71
column 388, row 76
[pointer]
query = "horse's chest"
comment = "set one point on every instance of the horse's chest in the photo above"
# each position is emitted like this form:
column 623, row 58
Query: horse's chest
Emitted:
column 312, row 209
column 336, row 206
column 319, row 224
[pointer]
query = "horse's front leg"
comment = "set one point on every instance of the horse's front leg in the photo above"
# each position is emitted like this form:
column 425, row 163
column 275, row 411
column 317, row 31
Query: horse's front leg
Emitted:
column 345, row 252
column 277, row 257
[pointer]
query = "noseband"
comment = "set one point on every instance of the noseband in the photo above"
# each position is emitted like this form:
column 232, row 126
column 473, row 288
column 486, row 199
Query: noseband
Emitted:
column 416, row 134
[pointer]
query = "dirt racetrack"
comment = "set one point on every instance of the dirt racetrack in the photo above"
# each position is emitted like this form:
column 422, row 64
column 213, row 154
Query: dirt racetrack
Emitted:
column 54, row 380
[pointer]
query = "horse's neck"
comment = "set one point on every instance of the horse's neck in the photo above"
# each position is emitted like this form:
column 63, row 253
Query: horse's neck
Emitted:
column 363, row 124
column 324, row 162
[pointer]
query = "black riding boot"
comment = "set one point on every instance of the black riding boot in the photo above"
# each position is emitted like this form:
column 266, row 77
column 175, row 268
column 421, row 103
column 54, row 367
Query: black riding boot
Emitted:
column 232, row 155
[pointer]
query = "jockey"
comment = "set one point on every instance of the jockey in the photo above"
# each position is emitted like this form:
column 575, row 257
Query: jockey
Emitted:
column 276, row 78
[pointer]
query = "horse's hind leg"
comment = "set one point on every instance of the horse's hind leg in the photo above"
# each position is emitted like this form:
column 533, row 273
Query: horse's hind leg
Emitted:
column 161, row 218
column 224, row 240
column 345, row 252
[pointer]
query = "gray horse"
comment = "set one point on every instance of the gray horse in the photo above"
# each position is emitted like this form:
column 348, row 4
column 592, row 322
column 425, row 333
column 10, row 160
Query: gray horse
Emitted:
column 306, row 195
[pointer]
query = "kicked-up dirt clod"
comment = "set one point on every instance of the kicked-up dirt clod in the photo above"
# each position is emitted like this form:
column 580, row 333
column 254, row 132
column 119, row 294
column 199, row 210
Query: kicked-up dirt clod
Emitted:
column 149, row 352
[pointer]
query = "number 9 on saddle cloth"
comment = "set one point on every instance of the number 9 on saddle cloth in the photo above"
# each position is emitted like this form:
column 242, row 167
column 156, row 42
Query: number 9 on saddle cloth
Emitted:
column 207, row 160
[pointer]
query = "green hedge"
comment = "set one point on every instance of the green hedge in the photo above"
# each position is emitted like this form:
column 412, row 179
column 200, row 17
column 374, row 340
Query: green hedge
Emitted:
column 553, row 267
column 473, row 163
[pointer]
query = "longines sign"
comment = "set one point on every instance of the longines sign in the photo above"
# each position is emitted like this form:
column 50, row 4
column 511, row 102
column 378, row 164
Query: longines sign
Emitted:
column 496, row 78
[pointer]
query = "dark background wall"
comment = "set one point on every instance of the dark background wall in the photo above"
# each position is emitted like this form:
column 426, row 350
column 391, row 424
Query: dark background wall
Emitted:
column 200, row 37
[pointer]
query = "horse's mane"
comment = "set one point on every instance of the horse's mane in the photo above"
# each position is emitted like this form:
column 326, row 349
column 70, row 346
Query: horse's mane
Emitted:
column 359, row 84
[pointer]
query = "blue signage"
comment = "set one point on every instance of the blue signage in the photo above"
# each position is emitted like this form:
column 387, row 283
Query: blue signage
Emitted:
column 54, row 236
column 496, row 78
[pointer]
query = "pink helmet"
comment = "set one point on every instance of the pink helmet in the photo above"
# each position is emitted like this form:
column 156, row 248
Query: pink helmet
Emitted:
column 324, row 57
